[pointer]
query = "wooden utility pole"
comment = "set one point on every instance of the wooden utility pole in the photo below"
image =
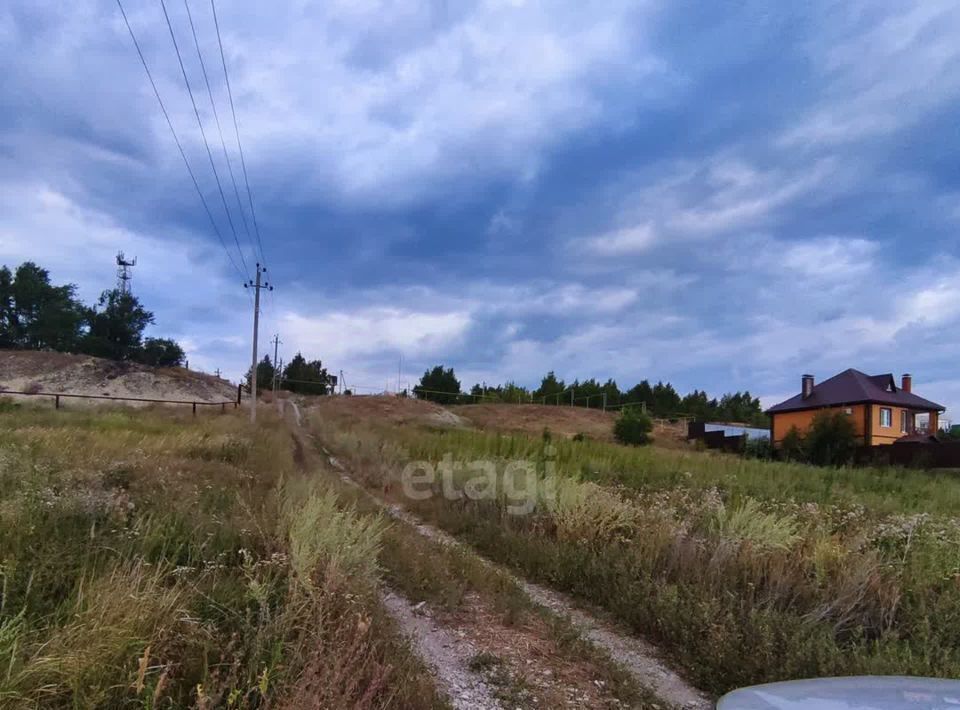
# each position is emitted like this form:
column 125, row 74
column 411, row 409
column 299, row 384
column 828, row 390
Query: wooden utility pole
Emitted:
column 256, row 286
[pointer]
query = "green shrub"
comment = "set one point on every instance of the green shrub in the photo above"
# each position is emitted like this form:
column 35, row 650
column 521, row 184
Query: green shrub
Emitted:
column 758, row 448
column 633, row 428
column 832, row 439
column 792, row 446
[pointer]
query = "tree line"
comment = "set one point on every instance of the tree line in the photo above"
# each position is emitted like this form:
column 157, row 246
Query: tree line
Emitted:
column 299, row 375
column 441, row 385
column 38, row 315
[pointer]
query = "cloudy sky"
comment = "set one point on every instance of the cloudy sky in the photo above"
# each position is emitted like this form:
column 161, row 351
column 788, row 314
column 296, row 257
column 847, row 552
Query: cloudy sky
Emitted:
column 723, row 195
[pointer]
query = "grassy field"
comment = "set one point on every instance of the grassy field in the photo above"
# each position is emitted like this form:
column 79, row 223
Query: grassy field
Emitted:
column 746, row 571
column 149, row 559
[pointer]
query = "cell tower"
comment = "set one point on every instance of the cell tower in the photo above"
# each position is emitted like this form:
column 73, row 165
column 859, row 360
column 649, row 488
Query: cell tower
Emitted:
column 124, row 277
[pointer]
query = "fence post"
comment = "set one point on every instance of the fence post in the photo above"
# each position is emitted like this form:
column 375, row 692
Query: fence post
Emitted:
column 56, row 401
column 239, row 393
column 223, row 408
column 194, row 409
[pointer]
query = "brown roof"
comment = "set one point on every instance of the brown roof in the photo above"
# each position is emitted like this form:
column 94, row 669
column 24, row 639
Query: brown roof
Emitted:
column 854, row 387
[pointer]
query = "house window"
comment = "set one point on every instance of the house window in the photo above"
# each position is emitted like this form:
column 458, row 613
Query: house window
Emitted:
column 904, row 421
column 886, row 417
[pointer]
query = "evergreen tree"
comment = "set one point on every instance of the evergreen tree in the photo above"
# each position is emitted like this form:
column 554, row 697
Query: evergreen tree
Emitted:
column 439, row 385
column 549, row 387
column 8, row 316
column 305, row 377
column 641, row 392
column 265, row 374
column 612, row 391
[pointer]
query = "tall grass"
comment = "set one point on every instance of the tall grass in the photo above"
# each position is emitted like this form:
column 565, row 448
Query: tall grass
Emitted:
column 745, row 574
column 149, row 559
column 881, row 490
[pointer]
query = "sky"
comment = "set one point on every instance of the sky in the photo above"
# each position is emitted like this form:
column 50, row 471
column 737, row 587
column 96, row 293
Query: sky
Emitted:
column 720, row 195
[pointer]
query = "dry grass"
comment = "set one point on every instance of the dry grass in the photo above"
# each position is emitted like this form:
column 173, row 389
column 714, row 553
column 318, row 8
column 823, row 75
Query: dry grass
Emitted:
column 533, row 418
column 747, row 571
column 149, row 559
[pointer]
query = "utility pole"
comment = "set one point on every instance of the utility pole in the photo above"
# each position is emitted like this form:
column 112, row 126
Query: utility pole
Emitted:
column 256, row 286
column 218, row 373
column 276, row 345
column 604, row 401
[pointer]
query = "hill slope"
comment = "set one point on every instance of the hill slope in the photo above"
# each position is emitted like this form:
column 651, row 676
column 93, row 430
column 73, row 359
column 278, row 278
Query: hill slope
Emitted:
column 31, row 371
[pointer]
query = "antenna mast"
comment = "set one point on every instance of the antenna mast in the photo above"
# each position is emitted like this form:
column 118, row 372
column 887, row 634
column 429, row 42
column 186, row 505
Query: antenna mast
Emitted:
column 124, row 277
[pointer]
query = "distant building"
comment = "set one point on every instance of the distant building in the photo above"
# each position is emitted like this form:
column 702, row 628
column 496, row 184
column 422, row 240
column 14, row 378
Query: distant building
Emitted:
column 738, row 430
column 881, row 411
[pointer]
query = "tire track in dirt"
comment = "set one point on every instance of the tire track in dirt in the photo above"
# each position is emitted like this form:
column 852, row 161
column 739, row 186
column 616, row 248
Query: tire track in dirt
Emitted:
column 635, row 655
column 443, row 651
column 447, row 655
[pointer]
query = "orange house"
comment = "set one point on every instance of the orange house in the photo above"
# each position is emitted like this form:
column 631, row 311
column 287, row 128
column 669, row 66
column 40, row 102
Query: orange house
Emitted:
column 881, row 411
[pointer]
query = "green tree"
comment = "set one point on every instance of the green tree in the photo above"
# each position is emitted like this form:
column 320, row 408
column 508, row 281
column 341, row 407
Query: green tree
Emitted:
column 265, row 374
column 305, row 377
column 632, row 427
column 641, row 392
column 832, row 439
column 588, row 393
column 35, row 314
column 612, row 391
column 513, row 393
column 161, row 352
column 439, row 385
column 549, row 388
column 666, row 401
column 8, row 317
column 116, row 326
column 698, row 406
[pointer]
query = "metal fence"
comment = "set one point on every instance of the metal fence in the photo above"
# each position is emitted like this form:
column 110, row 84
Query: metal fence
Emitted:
column 58, row 395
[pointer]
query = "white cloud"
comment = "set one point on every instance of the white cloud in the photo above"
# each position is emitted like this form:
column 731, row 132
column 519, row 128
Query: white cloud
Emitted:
column 936, row 304
column 835, row 260
column 342, row 335
column 879, row 77
column 716, row 197
column 629, row 240
column 79, row 245
column 383, row 102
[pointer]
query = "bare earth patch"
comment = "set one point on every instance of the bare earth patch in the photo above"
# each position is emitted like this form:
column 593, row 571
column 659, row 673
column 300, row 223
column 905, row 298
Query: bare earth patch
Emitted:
column 63, row 373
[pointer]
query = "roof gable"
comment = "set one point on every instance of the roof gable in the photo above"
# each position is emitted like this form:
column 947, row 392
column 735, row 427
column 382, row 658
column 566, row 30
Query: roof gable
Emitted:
column 854, row 387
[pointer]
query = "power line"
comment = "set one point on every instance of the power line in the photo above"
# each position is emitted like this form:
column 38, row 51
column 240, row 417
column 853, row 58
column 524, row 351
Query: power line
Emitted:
column 236, row 128
column 203, row 134
column 216, row 117
column 176, row 139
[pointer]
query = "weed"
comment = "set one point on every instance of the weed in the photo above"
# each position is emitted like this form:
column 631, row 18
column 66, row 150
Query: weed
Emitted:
column 816, row 571
column 155, row 560
column 484, row 661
